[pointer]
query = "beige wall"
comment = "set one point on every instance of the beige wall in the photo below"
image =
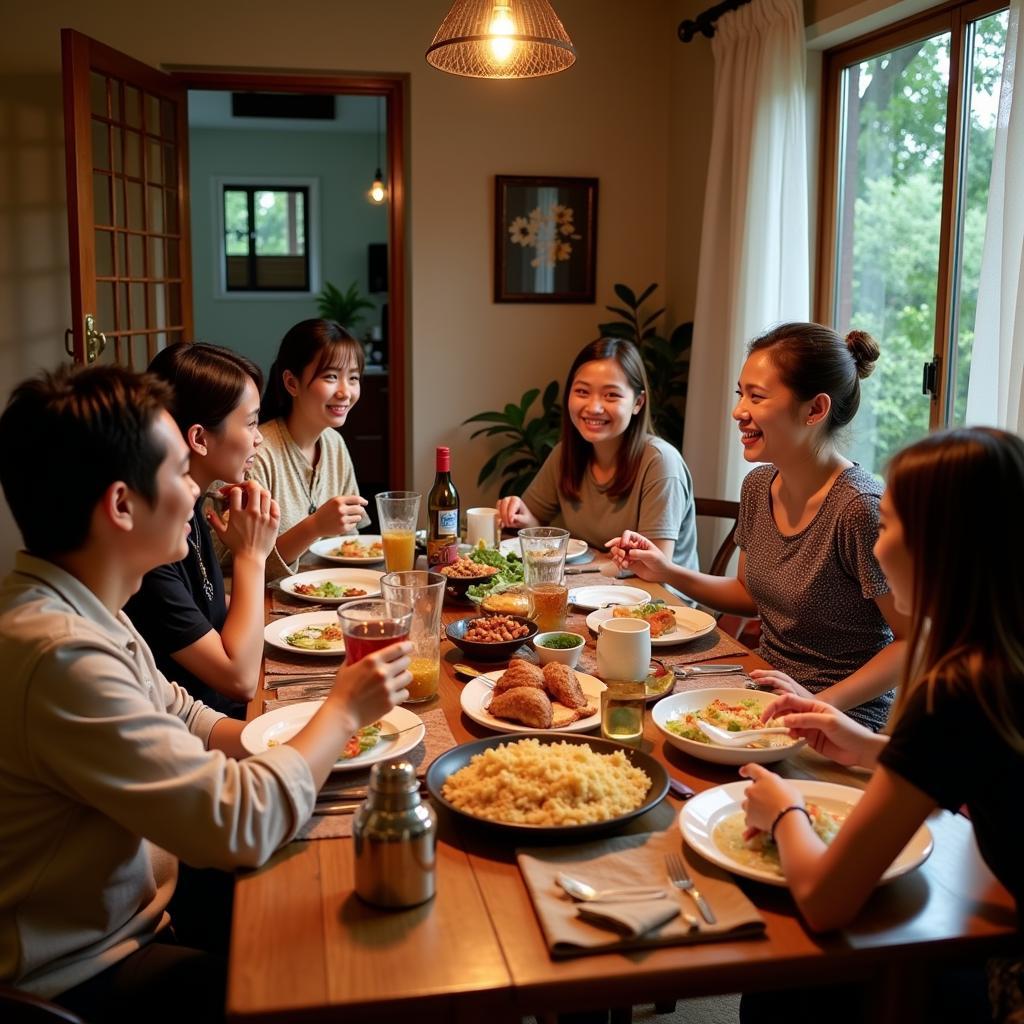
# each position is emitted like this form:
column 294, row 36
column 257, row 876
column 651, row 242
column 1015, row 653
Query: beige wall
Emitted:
column 610, row 117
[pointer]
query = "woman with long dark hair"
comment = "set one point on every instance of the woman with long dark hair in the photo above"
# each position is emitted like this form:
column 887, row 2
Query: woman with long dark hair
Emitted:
column 609, row 471
column 303, row 461
column 807, row 523
column 212, row 650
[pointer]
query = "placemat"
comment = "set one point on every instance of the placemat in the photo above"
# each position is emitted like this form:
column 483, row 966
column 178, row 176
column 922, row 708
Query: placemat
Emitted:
column 282, row 602
column 437, row 740
column 281, row 664
column 626, row 861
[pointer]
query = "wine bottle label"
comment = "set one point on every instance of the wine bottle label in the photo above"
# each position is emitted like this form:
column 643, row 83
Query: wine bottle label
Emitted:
column 441, row 552
column 448, row 522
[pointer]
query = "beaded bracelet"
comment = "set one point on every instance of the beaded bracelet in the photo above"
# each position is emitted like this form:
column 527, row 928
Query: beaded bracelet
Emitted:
column 784, row 812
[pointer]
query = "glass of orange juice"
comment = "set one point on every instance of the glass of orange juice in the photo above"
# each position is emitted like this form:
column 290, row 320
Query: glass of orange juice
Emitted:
column 424, row 593
column 398, row 511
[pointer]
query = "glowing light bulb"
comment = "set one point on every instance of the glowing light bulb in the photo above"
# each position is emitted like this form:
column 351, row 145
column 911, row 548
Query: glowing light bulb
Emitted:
column 502, row 26
column 378, row 193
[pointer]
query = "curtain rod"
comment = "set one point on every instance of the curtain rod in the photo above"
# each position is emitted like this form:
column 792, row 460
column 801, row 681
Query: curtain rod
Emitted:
column 705, row 21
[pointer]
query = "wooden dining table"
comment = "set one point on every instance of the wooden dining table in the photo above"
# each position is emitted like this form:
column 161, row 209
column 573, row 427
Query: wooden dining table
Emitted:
column 304, row 947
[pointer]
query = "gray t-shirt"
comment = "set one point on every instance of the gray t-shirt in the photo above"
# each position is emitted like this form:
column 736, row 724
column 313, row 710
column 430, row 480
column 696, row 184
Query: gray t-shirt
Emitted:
column 659, row 505
column 815, row 590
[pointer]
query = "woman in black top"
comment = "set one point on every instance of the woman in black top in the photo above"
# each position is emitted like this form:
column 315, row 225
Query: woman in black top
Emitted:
column 211, row 649
column 952, row 548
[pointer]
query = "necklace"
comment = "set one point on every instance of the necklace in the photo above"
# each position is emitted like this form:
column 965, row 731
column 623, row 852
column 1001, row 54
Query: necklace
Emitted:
column 207, row 585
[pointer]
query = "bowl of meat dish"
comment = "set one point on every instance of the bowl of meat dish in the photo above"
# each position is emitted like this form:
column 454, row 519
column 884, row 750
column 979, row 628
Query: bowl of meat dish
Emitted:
column 559, row 646
column 561, row 787
column 464, row 573
column 491, row 637
column 729, row 709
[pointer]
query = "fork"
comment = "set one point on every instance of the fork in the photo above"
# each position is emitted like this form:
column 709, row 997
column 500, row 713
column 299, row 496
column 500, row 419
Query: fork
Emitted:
column 680, row 878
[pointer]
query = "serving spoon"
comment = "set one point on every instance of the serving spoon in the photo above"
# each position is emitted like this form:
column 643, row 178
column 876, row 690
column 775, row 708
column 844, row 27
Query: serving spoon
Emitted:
column 585, row 893
column 737, row 739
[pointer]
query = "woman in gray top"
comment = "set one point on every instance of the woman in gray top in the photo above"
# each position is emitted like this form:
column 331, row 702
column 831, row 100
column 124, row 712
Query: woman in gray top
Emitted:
column 807, row 524
column 609, row 473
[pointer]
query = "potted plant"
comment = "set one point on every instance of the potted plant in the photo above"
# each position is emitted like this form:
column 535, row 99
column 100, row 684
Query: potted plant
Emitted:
column 667, row 360
column 530, row 438
column 344, row 307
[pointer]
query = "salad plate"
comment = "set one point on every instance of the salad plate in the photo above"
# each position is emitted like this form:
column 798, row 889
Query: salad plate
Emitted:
column 333, row 586
column 280, row 725
column 363, row 549
column 690, row 623
column 476, row 696
column 575, row 550
column 597, row 597
column 302, row 634
column 702, row 816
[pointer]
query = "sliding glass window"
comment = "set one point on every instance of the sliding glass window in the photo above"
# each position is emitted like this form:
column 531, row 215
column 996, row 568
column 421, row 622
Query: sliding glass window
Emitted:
column 908, row 137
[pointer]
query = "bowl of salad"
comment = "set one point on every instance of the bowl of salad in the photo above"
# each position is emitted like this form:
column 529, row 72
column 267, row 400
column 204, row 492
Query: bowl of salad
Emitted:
column 730, row 709
column 560, row 646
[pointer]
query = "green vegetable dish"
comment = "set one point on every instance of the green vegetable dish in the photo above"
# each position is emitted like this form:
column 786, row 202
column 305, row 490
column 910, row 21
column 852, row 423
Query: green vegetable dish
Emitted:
column 509, row 574
column 561, row 641
column 744, row 714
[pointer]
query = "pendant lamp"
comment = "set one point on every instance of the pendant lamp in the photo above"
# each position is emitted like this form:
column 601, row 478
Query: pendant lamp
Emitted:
column 378, row 192
column 501, row 39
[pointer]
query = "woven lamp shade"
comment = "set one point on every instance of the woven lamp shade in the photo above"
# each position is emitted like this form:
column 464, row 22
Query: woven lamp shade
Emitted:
column 539, row 44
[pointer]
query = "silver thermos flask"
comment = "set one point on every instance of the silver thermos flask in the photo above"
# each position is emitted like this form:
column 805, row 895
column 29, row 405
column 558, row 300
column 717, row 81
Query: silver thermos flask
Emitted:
column 396, row 837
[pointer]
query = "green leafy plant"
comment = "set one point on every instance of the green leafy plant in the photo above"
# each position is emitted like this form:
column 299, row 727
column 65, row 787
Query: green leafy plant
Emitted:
column 344, row 307
column 530, row 438
column 667, row 360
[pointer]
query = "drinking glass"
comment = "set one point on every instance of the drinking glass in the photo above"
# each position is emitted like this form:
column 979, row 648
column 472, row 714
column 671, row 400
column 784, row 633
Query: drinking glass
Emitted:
column 423, row 592
column 482, row 525
column 623, row 649
column 622, row 711
column 370, row 625
column 544, row 549
column 398, row 512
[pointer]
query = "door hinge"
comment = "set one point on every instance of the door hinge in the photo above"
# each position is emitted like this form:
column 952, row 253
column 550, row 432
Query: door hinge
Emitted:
column 930, row 379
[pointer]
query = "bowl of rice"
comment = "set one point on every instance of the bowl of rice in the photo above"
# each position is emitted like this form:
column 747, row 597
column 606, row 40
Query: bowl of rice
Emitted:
column 545, row 785
column 730, row 709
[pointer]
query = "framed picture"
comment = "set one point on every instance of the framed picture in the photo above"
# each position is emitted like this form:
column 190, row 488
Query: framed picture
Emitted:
column 545, row 239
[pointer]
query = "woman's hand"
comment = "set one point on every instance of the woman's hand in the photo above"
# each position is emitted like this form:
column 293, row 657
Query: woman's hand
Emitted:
column 830, row 732
column 779, row 682
column 339, row 515
column 513, row 513
column 765, row 797
column 634, row 552
column 373, row 685
column 250, row 522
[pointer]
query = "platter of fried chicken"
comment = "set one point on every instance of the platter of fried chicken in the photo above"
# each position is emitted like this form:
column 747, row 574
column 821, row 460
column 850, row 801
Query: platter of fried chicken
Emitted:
column 525, row 698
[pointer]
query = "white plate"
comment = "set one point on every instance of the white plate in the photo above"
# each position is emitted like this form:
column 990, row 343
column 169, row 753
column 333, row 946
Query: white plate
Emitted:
column 281, row 724
column 690, row 624
column 326, row 546
column 276, row 631
column 701, row 815
column 476, row 694
column 678, row 704
column 365, row 579
column 575, row 550
column 597, row 597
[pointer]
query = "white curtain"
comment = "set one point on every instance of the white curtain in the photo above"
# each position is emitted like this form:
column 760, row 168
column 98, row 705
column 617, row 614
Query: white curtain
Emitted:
column 754, row 250
column 995, row 393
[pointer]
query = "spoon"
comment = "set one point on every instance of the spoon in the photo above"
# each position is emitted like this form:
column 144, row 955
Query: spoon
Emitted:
column 737, row 739
column 580, row 890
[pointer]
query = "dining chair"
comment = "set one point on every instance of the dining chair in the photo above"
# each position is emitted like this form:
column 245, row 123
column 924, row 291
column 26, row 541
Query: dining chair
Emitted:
column 18, row 1007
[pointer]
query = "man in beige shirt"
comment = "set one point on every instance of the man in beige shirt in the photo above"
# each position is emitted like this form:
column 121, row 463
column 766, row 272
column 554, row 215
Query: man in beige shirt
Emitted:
column 109, row 772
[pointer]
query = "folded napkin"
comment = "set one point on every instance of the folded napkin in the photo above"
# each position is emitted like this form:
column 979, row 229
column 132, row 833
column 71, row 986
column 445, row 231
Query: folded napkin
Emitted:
column 576, row 929
column 350, row 786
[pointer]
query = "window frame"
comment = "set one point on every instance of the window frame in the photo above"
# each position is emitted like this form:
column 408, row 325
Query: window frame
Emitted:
column 268, row 183
column 954, row 17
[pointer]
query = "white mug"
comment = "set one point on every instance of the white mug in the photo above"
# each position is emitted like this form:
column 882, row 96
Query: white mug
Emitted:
column 624, row 649
column 482, row 525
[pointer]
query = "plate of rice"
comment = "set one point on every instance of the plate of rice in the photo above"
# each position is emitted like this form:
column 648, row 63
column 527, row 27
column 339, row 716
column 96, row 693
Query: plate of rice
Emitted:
column 547, row 785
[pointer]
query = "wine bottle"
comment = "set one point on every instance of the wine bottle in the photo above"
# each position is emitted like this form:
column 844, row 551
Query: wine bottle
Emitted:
column 442, row 514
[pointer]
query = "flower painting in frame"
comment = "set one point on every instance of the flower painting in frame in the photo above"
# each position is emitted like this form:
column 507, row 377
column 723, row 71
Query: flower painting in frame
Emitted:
column 545, row 239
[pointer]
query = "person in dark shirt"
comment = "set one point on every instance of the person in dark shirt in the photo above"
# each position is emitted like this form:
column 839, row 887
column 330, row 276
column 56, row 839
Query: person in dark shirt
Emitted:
column 209, row 647
column 952, row 549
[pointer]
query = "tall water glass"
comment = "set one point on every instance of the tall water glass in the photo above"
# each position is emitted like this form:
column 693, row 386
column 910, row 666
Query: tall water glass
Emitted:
column 544, row 549
column 370, row 625
column 423, row 592
column 398, row 512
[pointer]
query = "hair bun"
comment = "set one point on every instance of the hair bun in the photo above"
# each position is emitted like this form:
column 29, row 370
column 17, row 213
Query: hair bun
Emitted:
column 865, row 352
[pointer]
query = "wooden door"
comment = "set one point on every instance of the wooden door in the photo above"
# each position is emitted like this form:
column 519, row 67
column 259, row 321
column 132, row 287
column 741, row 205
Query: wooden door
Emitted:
column 126, row 147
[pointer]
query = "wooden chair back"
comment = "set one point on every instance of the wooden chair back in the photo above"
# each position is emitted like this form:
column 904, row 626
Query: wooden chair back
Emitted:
column 719, row 508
